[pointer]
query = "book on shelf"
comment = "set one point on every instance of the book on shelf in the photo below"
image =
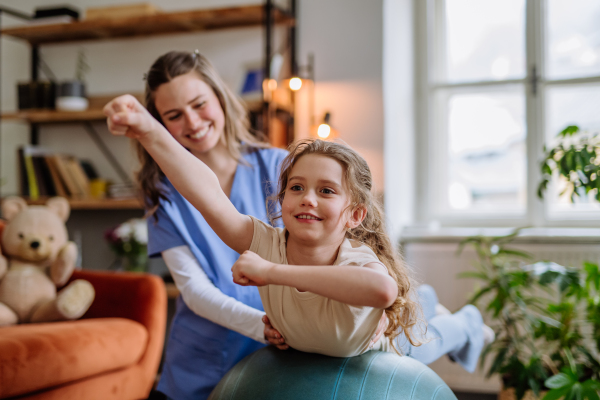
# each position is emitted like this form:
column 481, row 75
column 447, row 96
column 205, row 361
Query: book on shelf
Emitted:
column 59, row 183
column 46, row 173
column 30, row 174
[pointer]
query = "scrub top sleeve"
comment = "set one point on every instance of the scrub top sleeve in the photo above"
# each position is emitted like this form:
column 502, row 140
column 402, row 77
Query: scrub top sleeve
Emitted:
column 162, row 234
column 206, row 300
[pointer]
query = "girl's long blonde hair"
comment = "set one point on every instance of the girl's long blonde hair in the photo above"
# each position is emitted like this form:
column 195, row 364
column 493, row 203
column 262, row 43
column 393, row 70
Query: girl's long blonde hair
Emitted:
column 236, row 131
column 404, row 314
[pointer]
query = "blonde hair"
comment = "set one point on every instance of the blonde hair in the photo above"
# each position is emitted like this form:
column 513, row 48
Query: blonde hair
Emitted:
column 405, row 313
column 236, row 138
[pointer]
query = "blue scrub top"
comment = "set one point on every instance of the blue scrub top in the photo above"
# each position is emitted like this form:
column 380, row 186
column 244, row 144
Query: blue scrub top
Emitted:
column 199, row 352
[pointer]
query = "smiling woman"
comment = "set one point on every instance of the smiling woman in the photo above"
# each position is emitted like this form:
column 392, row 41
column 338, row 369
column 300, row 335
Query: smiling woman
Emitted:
column 217, row 323
column 191, row 112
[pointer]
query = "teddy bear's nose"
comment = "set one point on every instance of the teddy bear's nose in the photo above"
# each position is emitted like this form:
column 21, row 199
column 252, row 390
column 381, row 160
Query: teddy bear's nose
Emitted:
column 34, row 244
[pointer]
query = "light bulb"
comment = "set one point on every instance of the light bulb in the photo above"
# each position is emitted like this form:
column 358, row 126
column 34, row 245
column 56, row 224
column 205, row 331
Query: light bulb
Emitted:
column 295, row 83
column 323, row 131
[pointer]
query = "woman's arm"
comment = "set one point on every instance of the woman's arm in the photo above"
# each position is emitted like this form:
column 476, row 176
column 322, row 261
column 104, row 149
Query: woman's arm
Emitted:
column 190, row 176
column 206, row 300
column 369, row 285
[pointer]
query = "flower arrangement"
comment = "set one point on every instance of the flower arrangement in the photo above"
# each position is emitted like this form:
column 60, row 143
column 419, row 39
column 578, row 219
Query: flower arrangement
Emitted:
column 129, row 241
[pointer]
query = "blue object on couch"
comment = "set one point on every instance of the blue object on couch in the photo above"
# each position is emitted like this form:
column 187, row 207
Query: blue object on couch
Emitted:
column 270, row 373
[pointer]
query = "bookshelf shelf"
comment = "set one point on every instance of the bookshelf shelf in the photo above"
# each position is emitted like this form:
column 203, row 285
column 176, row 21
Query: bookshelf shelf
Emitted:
column 51, row 116
column 97, row 204
column 96, row 114
column 159, row 24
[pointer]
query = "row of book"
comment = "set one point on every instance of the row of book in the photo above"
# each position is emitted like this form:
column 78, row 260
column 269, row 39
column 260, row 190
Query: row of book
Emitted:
column 45, row 173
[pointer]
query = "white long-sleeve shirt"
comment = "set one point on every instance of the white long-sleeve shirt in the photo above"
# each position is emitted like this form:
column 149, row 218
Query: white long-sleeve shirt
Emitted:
column 206, row 300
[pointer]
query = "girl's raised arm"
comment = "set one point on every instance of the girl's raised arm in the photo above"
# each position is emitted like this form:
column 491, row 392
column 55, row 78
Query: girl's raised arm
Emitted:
column 190, row 176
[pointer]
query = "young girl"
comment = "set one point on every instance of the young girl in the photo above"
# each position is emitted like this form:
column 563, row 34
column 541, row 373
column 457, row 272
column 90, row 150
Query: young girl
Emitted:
column 328, row 209
column 316, row 183
column 326, row 201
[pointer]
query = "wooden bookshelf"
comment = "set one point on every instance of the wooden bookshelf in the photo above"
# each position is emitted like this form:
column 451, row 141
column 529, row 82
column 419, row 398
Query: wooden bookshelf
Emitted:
column 150, row 25
column 97, row 204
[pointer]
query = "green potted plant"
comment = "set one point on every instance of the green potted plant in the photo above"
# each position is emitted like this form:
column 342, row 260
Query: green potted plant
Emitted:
column 575, row 157
column 546, row 318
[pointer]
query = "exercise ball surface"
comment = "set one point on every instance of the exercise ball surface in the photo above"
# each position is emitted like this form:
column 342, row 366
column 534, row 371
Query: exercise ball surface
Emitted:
column 270, row 373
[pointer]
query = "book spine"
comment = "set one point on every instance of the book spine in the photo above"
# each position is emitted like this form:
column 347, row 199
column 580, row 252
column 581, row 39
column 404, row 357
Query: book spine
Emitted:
column 38, row 168
column 59, row 185
column 23, row 181
column 34, row 193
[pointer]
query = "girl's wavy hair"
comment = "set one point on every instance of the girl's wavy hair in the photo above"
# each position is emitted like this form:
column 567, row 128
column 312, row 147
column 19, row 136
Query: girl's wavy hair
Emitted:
column 404, row 314
column 237, row 137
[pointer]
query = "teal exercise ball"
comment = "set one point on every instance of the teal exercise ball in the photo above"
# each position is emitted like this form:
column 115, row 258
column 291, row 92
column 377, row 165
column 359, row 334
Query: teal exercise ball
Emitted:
column 270, row 373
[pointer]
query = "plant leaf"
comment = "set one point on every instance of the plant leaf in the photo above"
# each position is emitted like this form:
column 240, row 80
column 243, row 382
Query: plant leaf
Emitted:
column 569, row 131
column 558, row 381
column 556, row 394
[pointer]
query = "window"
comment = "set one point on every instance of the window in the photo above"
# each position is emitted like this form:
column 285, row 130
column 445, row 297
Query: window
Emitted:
column 503, row 77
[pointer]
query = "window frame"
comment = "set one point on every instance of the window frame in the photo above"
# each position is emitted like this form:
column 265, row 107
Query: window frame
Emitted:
column 428, row 51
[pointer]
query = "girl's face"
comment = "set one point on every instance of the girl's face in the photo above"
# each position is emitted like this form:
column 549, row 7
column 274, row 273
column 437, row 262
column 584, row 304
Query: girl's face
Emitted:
column 191, row 112
column 315, row 205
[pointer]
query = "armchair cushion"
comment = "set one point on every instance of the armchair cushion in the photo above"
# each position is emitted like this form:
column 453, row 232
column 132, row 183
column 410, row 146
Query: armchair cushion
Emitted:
column 112, row 353
column 37, row 356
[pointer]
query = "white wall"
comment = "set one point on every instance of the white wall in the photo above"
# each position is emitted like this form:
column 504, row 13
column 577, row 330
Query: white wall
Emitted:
column 344, row 35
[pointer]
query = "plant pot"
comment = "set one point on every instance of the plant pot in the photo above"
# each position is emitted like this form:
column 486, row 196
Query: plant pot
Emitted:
column 70, row 96
column 509, row 394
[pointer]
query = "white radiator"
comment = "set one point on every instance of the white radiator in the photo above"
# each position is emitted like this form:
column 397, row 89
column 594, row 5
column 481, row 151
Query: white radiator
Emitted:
column 438, row 265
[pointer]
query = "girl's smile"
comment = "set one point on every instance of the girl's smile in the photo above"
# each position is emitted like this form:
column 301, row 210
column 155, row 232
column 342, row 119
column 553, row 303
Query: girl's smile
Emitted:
column 307, row 218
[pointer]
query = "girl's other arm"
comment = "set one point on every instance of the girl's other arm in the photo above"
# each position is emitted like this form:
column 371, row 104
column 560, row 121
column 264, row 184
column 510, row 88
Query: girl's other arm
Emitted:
column 369, row 285
column 190, row 176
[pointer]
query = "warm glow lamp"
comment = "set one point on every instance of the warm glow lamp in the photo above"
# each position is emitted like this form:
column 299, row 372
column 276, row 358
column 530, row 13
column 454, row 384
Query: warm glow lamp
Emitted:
column 295, row 83
column 324, row 130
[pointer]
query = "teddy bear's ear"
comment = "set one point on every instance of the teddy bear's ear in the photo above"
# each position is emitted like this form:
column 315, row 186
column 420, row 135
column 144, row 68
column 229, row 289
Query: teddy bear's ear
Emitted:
column 11, row 206
column 60, row 206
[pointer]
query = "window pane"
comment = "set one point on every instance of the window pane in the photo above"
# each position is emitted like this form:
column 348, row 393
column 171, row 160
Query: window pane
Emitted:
column 571, row 105
column 573, row 31
column 486, row 151
column 485, row 40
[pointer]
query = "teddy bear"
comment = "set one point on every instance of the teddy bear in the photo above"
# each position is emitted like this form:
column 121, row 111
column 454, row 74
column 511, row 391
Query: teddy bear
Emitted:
column 37, row 258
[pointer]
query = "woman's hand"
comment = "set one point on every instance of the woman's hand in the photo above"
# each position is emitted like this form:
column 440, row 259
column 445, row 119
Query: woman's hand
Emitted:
column 251, row 270
column 381, row 327
column 273, row 336
column 127, row 117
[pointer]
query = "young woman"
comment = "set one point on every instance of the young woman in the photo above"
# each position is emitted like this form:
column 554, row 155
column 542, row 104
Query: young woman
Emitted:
column 216, row 323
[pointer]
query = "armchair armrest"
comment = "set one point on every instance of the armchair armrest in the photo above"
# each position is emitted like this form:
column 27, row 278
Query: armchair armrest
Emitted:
column 137, row 296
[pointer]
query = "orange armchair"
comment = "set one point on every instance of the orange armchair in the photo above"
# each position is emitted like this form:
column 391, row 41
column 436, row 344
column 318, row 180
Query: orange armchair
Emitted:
column 113, row 352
